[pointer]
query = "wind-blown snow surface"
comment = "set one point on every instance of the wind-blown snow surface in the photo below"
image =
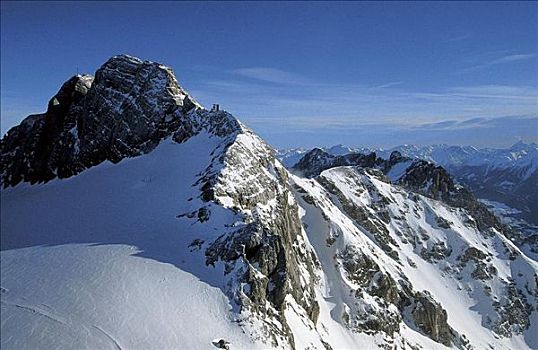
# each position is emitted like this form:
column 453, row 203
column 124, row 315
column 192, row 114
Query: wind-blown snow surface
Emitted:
column 100, row 260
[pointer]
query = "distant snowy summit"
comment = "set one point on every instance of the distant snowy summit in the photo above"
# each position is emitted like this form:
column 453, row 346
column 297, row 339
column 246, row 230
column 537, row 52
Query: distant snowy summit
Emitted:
column 127, row 200
column 521, row 155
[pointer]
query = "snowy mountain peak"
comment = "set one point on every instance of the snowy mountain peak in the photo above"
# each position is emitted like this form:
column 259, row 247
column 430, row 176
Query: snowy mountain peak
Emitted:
column 395, row 157
column 125, row 111
column 521, row 145
column 229, row 197
column 317, row 160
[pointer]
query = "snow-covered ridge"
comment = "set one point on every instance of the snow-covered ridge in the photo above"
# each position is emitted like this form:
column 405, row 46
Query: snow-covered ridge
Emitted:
column 520, row 157
column 508, row 176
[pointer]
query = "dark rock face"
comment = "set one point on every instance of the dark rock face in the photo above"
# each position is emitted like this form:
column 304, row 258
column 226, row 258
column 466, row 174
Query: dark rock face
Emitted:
column 317, row 160
column 221, row 344
column 483, row 269
column 365, row 272
column 438, row 251
column 42, row 143
column 126, row 110
column 431, row 318
column 514, row 312
column 132, row 106
column 428, row 178
column 396, row 157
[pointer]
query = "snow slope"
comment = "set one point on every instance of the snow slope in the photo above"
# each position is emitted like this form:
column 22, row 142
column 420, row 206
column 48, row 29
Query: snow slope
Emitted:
column 413, row 232
column 101, row 261
column 132, row 256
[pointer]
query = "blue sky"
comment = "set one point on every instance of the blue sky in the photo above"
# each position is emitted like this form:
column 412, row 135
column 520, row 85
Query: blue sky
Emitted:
column 301, row 74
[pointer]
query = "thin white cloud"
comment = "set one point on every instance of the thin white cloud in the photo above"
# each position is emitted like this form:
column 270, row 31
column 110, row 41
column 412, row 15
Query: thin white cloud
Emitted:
column 479, row 122
column 512, row 58
column 501, row 60
column 458, row 38
column 319, row 106
column 271, row 75
column 498, row 92
column 387, row 85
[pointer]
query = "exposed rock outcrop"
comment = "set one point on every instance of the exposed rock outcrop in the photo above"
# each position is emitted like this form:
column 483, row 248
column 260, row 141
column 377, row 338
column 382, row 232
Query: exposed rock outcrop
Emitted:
column 269, row 252
column 317, row 160
column 431, row 318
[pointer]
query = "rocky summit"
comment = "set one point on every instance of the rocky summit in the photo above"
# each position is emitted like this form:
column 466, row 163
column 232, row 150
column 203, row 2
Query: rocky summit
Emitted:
column 134, row 218
column 124, row 111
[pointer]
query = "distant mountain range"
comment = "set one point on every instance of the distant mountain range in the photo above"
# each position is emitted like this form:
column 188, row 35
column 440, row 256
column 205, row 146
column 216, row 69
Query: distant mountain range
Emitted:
column 506, row 179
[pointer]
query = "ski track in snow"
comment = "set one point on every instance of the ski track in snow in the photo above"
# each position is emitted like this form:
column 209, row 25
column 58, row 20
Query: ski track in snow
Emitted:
column 117, row 346
column 39, row 311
